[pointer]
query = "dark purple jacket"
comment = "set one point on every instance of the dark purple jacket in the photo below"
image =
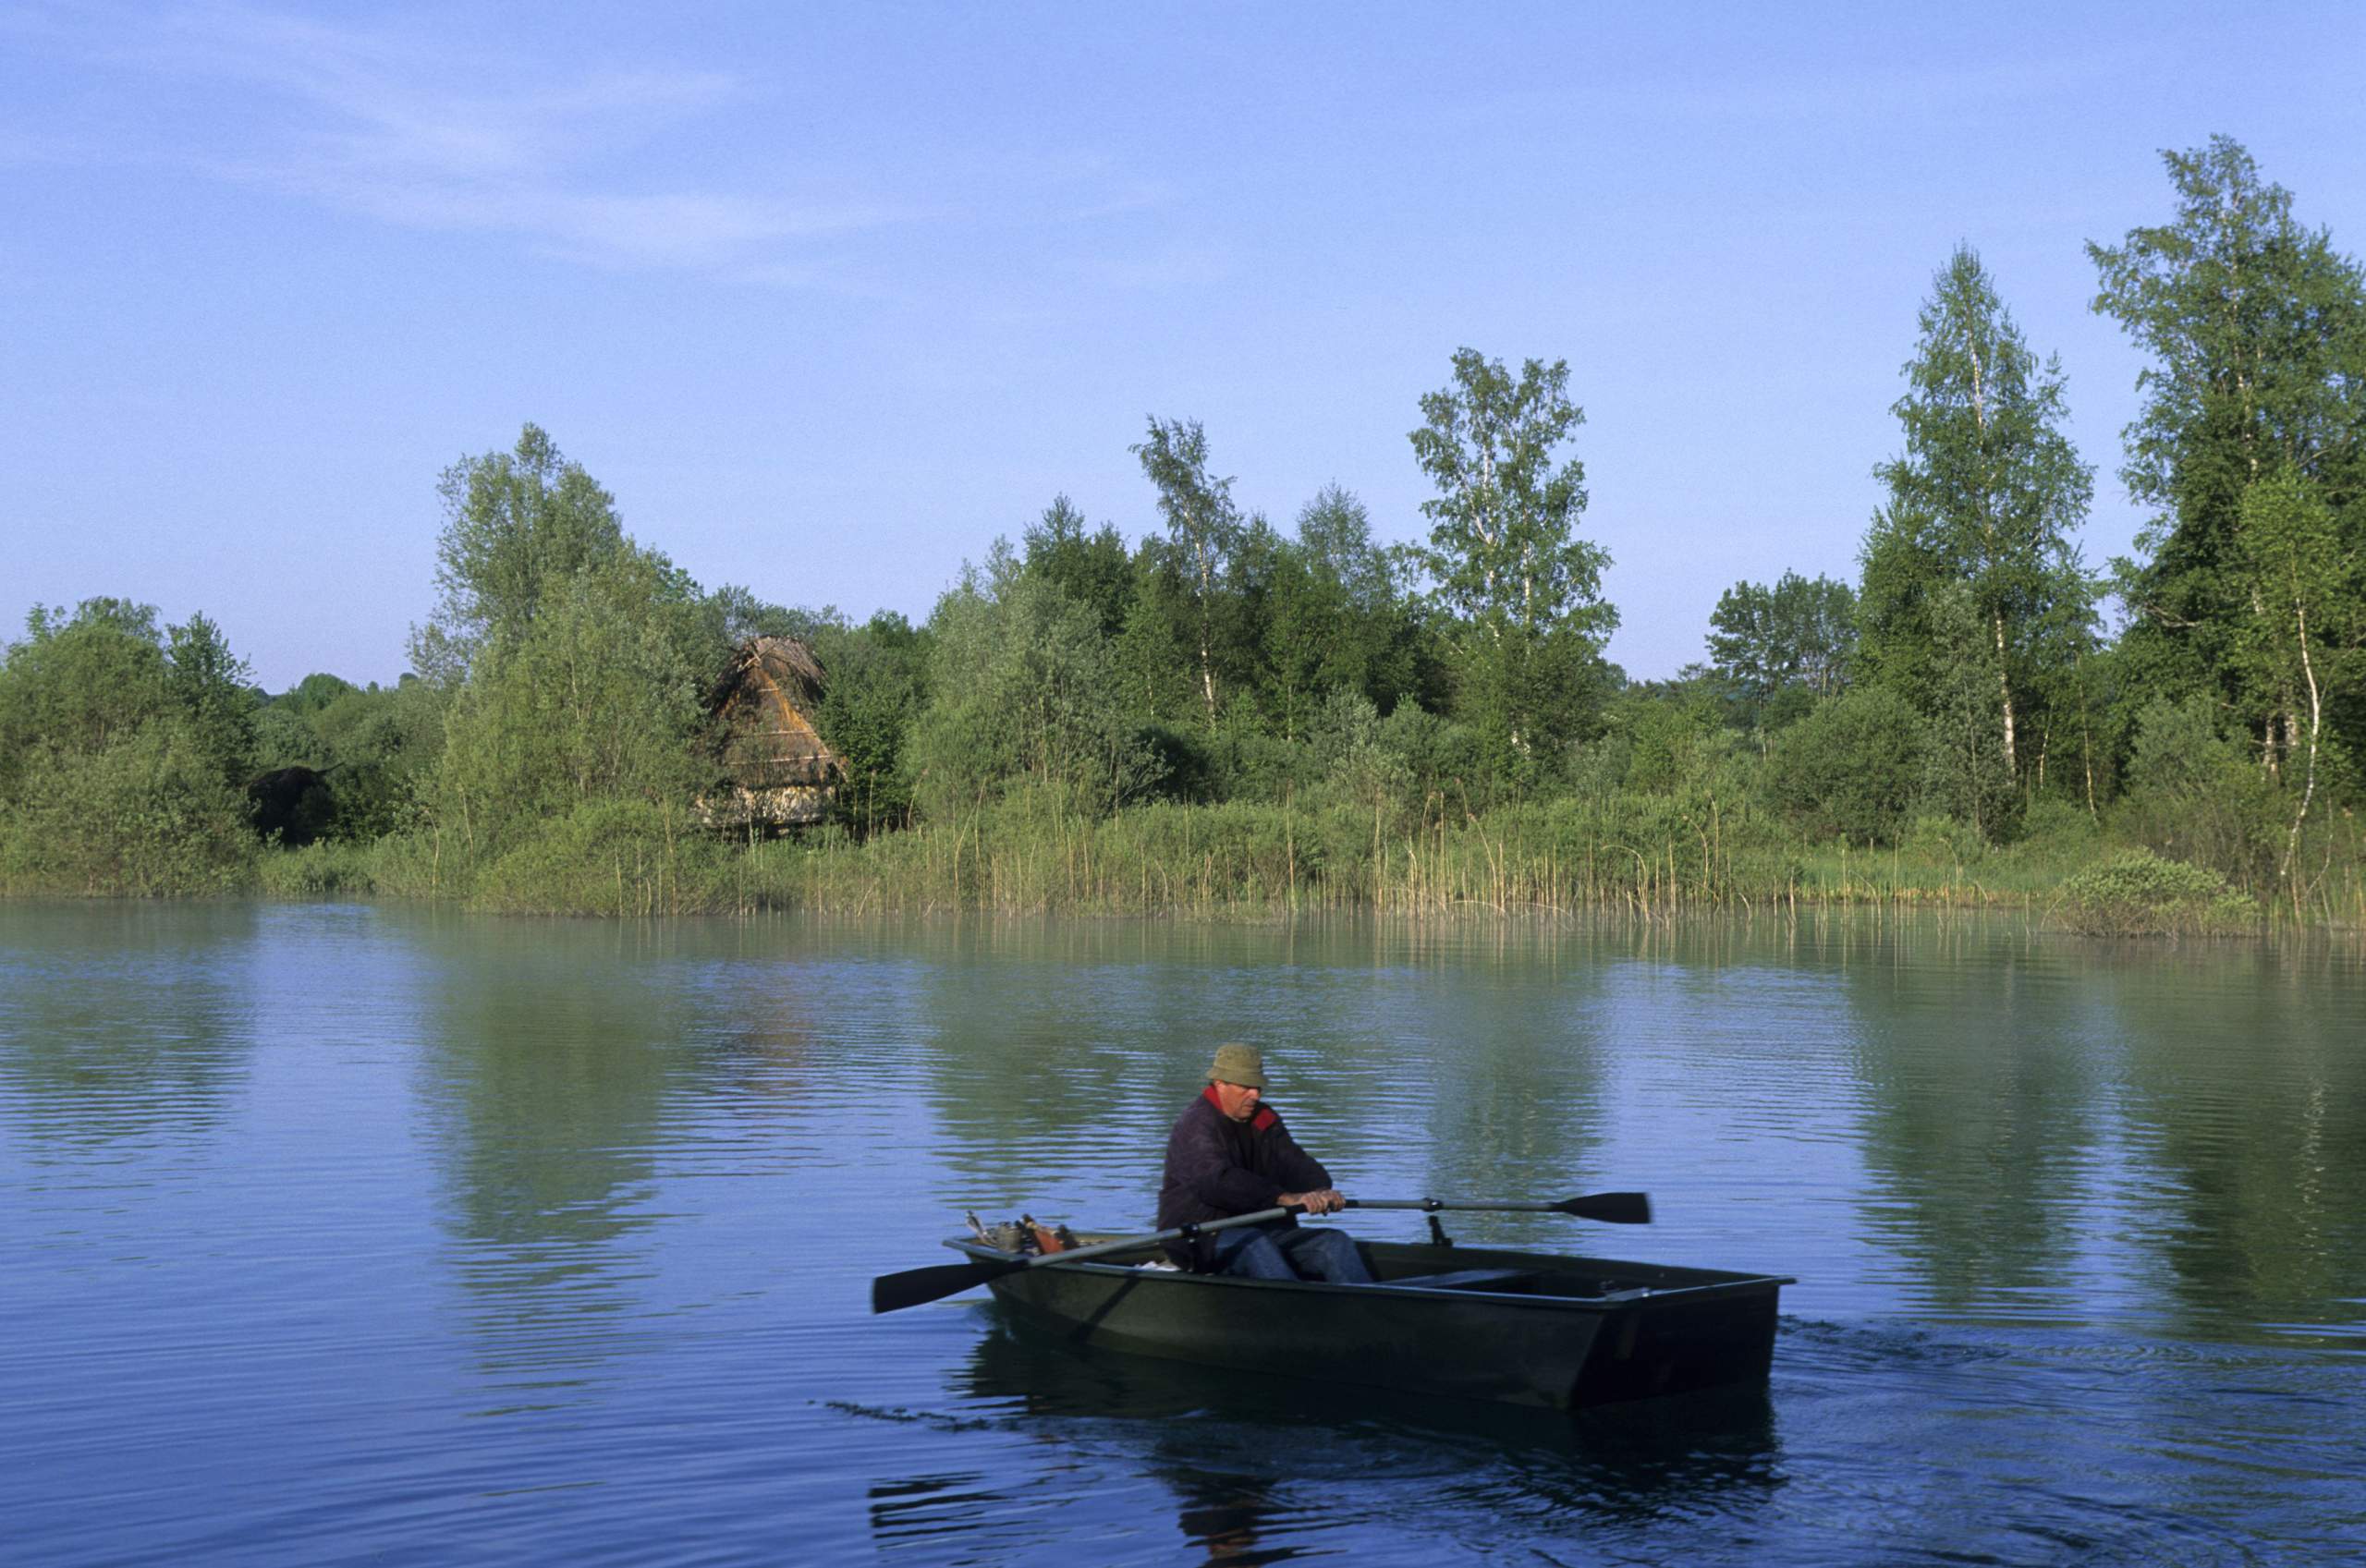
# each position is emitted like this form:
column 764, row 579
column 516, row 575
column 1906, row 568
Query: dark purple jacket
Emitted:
column 1217, row 1167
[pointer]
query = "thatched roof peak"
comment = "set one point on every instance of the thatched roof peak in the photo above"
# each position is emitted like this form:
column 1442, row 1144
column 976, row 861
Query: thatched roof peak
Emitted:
column 782, row 664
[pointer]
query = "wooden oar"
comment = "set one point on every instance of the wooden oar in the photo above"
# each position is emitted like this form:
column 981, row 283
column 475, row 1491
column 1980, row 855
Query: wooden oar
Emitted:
column 1616, row 1208
column 915, row 1287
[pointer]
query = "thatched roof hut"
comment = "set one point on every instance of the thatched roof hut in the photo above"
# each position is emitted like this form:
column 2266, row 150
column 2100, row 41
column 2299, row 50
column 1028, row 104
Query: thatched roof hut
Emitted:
column 778, row 772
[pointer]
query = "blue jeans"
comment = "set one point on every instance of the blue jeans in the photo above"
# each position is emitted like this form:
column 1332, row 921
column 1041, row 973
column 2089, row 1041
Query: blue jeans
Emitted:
column 1292, row 1254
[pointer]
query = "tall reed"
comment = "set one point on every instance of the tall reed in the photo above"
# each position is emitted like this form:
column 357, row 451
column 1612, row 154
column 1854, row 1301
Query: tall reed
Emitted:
column 1651, row 855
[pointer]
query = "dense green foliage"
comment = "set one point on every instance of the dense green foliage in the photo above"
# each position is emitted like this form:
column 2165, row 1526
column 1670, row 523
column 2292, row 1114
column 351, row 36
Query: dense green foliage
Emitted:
column 1781, row 648
column 121, row 748
column 1230, row 713
column 2139, row 894
column 1975, row 607
column 1521, row 592
column 1855, row 767
column 2251, row 447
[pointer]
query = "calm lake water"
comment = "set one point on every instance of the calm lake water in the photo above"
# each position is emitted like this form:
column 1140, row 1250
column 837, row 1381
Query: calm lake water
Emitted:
column 338, row 1234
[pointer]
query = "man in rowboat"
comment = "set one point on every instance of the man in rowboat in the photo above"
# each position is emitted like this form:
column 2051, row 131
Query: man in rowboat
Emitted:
column 1229, row 1154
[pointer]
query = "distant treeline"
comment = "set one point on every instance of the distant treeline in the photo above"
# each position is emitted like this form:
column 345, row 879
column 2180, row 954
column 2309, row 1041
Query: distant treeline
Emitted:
column 1240, row 711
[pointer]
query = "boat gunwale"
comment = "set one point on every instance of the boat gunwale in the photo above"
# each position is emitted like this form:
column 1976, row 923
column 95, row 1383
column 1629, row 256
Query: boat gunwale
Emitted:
column 1727, row 1283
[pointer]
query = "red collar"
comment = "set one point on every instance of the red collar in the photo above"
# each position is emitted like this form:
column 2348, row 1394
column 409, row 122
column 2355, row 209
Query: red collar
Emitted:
column 1263, row 1120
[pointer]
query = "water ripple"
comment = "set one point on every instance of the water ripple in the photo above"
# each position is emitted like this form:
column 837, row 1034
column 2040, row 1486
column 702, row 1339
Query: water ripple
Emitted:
column 378, row 1234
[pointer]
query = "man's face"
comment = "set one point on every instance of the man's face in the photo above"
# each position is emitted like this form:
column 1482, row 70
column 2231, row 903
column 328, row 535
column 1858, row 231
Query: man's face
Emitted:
column 1236, row 1101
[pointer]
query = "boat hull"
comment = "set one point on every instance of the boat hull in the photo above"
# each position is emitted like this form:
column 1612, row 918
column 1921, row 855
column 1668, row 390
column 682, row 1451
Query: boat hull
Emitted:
column 1552, row 1331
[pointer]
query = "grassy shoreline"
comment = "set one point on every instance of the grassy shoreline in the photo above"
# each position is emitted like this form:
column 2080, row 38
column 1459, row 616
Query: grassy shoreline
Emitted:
column 1638, row 857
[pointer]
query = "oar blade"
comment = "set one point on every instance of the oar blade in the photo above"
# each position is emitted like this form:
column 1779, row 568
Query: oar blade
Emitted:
column 918, row 1287
column 1611, row 1208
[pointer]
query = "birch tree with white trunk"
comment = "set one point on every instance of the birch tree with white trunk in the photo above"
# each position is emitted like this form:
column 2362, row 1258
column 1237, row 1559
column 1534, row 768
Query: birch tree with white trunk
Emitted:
column 1203, row 528
column 1986, row 496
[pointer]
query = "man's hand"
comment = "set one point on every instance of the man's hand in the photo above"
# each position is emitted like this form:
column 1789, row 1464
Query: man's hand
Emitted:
column 1330, row 1200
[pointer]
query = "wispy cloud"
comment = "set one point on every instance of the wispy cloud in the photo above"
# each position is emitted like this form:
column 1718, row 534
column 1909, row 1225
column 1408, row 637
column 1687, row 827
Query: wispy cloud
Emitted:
column 584, row 163
column 393, row 127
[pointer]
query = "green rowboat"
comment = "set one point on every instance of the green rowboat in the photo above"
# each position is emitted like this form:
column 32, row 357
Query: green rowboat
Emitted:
column 1521, row 1327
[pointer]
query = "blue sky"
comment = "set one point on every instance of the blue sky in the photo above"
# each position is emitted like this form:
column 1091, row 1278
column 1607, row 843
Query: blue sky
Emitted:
column 830, row 296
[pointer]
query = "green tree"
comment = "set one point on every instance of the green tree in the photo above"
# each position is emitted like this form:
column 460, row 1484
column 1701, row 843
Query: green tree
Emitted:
column 1967, row 775
column 878, row 684
column 78, row 681
column 578, row 664
column 1340, row 615
column 1985, row 499
column 2191, row 796
column 1203, row 528
column 1091, row 567
column 1334, row 532
column 384, row 743
column 599, row 700
column 1022, row 689
column 515, row 525
column 1348, row 746
column 110, row 783
column 285, row 736
column 377, row 746
column 1505, row 555
column 1153, row 653
column 1851, row 767
column 313, row 693
column 214, row 687
column 1268, row 579
column 2256, row 329
column 2303, row 634
column 146, row 815
column 1303, row 616
column 1674, row 736
column 1798, row 634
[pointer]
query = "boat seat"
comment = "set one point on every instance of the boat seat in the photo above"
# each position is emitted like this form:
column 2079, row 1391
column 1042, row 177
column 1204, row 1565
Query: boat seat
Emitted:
column 1464, row 1279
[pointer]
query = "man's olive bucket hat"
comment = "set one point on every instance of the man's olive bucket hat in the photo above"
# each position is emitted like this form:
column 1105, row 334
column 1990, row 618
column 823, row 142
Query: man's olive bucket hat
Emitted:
column 1240, row 1064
